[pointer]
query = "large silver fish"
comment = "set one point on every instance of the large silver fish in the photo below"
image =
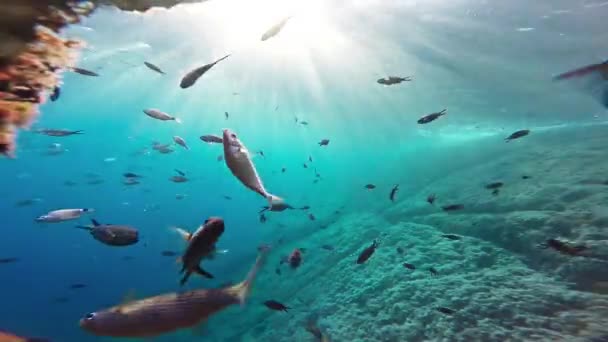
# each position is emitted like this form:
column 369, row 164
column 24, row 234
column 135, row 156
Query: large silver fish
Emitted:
column 62, row 215
column 160, row 115
column 157, row 315
column 240, row 164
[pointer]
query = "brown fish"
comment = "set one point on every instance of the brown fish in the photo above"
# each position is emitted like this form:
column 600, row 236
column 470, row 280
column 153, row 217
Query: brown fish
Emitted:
column 161, row 314
column 112, row 235
column 367, row 253
column 193, row 76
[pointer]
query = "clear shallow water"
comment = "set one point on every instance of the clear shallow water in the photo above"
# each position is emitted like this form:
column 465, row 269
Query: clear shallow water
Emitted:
column 489, row 64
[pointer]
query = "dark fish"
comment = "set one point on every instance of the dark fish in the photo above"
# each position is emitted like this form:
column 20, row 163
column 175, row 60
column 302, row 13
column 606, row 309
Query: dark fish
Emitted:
column 328, row 247
column 77, row 286
column 367, row 253
column 446, row 311
column 69, row 183
column 112, row 235
column 433, row 271
column 393, row 193
column 295, row 258
column 84, row 72
column 228, row 198
column 211, row 138
column 306, row 207
column 261, row 153
column 495, row 185
column 525, row 177
column 324, row 142
column 57, row 132
column 178, row 179
column 154, row 68
column 166, row 313
column 432, row 117
column 56, row 93
column 390, row 80
column 195, row 74
column 263, row 218
column 431, row 199
column 409, row 266
column 181, row 173
column 274, row 305
column 495, row 192
column 305, row 123
column 201, row 244
column 564, row 247
column 318, row 175
column 226, row 115
column 400, row 250
column 283, row 170
column 168, row 253
column 310, row 159
column 452, row 207
column 370, row 186
column 311, row 217
column 315, row 181
column 305, row 166
column 517, row 135
column 274, row 30
column 451, row 236
column 9, row 260
column 131, row 175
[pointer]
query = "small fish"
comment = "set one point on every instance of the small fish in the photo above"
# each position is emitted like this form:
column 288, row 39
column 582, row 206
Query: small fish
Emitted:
column 433, row 271
column 525, row 177
column 409, row 266
column 274, row 305
column 446, row 311
column 57, row 132
column 180, row 196
column 452, row 207
column 131, row 175
column 62, row 215
column 391, row 80
column 112, row 234
column 168, row 253
column 328, row 247
column 367, row 253
column 6, row 336
column 495, row 192
column 306, row 207
column 400, row 250
column 84, row 72
column 261, row 153
column 324, row 142
column 160, row 115
column 228, row 198
column 370, row 186
column 451, row 236
column 166, row 313
column 69, row 183
column 211, row 138
column 130, row 181
column 318, row 175
column 56, row 93
column 305, row 166
column 263, row 218
column 431, row 117
column 431, row 199
column 275, row 29
column 295, row 258
column 517, row 135
column 178, row 179
column 201, row 244
column 226, row 115
column 310, row 159
column 311, row 217
column 154, row 68
column 77, row 286
column 191, row 77
column 304, row 123
column 393, row 193
column 283, row 170
column 563, row 247
column 180, row 141
column 495, row 185
column 179, row 172
column 9, row 260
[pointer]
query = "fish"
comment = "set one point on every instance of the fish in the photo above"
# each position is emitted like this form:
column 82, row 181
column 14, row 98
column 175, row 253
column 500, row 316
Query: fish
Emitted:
column 77, row 286
column 370, row 186
column 393, row 192
column 409, row 266
column 431, row 199
column 306, row 207
column 180, row 141
column 451, row 236
column 6, row 336
column 318, row 175
column 275, row 29
column 311, row 217
column 228, row 198
column 180, row 196
column 495, row 185
column 517, row 135
column 274, row 305
column 283, row 170
column 452, row 207
column 178, row 179
column 305, row 166
column 263, row 218
column 324, row 142
column 367, row 253
column 211, row 138
column 55, row 94
column 63, row 215
column 304, row 123
column 261, row 153
column 446, row 311
column 431, row 117
column 154, row 68
column 166, row 313
column 130, row 181
column 69, row 183
column 239, row 162
column 201, row 244
column 328, row 247
column 226, row 115
column 310, row 159
column 563, row 247
column 433, row 271
column 525, row 177
column 179, row 172
column 160, row 115
column 191, row 77
column 9, row 260
column 112, row 234
column 295, row 258
column 84, row 72
column 131, row 175
column 391, row 80
column 57, row 132
column 168, row 253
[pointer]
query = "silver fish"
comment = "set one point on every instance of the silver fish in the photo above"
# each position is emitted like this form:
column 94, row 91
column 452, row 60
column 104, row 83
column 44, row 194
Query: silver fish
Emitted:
column 211, row 138
column 181, row 142
column 160, row 115
column 62, row 215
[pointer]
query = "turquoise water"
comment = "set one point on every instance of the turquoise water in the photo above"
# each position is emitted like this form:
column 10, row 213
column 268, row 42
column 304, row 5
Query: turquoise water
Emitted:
column 489, row 64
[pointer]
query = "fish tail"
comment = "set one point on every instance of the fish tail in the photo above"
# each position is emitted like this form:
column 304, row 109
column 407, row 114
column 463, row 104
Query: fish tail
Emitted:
column 241, row 290
column 185, row 235
column 178, row 120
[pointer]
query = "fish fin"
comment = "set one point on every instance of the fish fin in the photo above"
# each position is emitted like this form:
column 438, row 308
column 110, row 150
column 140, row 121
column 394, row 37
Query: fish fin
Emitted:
column 185, row 234
column 178, row 120
column 241, row 290
column 200, row 271
column 95, row 223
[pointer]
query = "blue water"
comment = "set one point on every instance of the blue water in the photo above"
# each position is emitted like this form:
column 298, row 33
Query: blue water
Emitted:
column 490, row 64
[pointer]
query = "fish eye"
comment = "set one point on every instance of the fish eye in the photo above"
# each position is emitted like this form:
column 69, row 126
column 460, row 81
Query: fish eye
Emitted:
column 89, row 316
